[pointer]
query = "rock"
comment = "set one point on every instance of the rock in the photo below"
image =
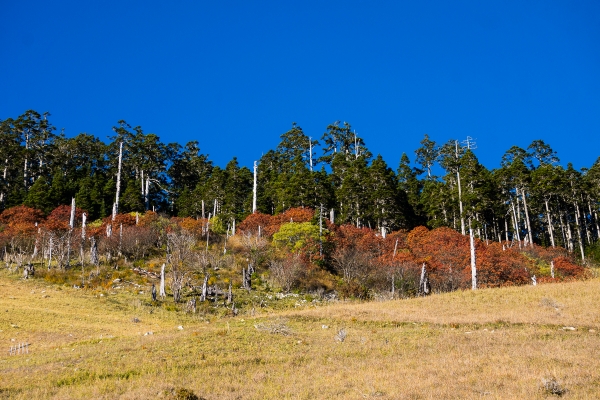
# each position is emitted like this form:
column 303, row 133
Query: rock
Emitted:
column 569, row 328
column 180, row 327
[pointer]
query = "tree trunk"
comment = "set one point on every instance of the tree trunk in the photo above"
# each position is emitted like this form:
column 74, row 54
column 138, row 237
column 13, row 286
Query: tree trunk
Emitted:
column 204, row 288
column 516, row 224
column 229, row 294
column 460, row 204
column 424, row 287
column 579, row 231
column 549, row 220
column 473, row 264
column 310, row 163
column 569, row 234
column 147, row 195
column 254, row 188
column 529, row 230
column 116, row 205
column 562, row 230
column 50, row 245
column 595, row 217
column 161, row 291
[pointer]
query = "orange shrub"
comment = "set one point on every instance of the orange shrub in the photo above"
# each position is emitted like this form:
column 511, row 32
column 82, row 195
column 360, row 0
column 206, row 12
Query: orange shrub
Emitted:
column 564, row 268
column 498, row 267
column 253, row 221
column 63, row 214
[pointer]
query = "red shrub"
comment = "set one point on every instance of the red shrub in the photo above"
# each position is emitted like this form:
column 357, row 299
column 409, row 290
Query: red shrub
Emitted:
column 498, row 267
column 63, row 214
column 21, row 215
column 253, row 221
column 565, row 268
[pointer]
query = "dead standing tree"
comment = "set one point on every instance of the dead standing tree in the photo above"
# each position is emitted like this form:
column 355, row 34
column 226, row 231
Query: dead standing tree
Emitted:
column 181, row 259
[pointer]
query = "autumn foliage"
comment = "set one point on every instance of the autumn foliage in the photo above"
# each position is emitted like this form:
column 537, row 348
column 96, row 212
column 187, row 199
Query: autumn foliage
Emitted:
column 359, row 260
column 269, row 224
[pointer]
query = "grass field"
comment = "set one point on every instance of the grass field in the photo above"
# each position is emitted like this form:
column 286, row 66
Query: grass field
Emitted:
column 510, row 343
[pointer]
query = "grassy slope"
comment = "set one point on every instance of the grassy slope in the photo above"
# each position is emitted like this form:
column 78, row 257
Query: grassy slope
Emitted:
column 497, row 343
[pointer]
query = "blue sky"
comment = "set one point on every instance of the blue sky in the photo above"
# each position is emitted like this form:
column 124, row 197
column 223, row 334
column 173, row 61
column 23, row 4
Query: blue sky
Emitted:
column 234, row 75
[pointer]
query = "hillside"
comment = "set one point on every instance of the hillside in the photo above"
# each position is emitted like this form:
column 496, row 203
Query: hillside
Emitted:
column 515, row 342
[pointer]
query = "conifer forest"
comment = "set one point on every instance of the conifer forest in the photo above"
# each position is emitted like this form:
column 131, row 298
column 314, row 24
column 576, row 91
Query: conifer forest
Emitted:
column 320, row 215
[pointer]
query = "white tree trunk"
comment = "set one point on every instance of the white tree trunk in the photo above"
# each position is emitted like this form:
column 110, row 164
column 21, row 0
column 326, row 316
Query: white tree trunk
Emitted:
column 516, row 223
column 473, row 263
column 83, row 221
column 579, row 231
column 529, row 230
column 549, row 220
column 424, row 282
column 116, row 205
column 147, row 195
column 460, row 204
column 254, row 189
column 72, row 220
column 310, row 163
column 161, row 291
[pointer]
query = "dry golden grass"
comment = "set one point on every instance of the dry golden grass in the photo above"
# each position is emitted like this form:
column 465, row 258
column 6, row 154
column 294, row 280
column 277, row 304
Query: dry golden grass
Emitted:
column 495, row 343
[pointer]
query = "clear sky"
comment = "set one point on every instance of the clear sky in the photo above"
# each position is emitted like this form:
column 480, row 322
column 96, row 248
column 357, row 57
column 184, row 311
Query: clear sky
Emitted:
column 234, row 75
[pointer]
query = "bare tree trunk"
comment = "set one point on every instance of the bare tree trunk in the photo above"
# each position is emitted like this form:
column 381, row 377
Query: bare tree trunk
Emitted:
column 473, row 264
column 25, row 166
column 579, row 231
column 529, row 230
column 254, row 188
column 71, row 225
column 94, row 252
column 161, row 290
column 204, row 288
column 229, row 293
column 585, row 224
column 516, row 224
column 147, row 195
column 462, row 219
column 562, row 230
column 50, row 245
column 310, row 163
column 424, row 287
column 569, row 234
column 549, row 220
column 4, row 177
column 116, row 205
column 595, row 217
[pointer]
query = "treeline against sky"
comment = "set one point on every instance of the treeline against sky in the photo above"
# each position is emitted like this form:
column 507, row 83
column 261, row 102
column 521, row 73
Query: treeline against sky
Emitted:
column 531, row 198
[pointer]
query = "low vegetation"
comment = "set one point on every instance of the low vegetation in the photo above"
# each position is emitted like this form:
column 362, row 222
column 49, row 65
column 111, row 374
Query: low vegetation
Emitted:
column 106, row 343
